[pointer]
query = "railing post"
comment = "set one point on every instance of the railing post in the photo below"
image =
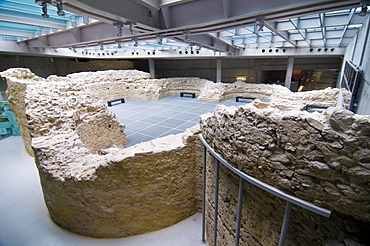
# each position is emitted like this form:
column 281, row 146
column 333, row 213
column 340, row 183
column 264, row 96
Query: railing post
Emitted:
column 284, row 227
column 239, row 212
column 204, row 194
column 217, row 177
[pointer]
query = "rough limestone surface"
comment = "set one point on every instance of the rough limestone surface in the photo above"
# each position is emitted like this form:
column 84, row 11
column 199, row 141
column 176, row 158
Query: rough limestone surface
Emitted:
column 45, row 107
column 123, row 192
column 92, row 185
column 323, row 158
column 132, row 84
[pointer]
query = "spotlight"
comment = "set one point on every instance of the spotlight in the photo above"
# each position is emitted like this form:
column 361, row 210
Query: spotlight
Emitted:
column 136, row 43
column 44, row 4
column 45, row 10
column 60, row 11
column 119, row 27
column 160, row 39
column 363, row 11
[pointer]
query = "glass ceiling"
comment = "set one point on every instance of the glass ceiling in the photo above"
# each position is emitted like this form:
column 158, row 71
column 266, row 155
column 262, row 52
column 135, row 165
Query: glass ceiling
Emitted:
column 21, row 20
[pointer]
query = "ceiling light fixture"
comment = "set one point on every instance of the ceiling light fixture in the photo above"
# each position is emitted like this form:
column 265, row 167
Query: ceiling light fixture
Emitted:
column 60, row 11
column 44, row 4
column 119, row 27
column 136, row 43
column 364, row 5
column 363, row 11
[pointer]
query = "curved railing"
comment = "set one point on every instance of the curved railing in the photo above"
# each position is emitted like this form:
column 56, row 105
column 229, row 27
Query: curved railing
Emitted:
column 245, row 177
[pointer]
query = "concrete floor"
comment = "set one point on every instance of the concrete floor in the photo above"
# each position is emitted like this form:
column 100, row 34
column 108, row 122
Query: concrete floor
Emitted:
column 24, row 219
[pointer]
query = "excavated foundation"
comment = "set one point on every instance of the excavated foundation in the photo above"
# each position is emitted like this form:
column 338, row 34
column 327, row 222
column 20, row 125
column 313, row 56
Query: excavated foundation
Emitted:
column 95, row 186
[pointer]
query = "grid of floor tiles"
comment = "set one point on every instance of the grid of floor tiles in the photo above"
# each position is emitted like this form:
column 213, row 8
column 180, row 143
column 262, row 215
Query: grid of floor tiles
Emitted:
column 146, row 120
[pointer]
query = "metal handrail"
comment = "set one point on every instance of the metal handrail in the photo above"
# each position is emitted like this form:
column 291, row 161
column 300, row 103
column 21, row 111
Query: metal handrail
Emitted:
column 245, row 177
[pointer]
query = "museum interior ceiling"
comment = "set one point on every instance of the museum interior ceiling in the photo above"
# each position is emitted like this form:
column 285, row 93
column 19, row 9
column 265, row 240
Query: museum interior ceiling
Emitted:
column 178, row 28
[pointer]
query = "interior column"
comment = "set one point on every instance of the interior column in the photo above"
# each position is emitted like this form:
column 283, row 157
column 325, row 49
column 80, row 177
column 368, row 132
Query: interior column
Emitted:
column 289, row 72
column 151, row 68
column 219, row 70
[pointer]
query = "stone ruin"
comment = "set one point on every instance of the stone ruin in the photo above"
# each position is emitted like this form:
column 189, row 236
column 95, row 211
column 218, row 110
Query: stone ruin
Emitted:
column 95, row 186
column 323, row 158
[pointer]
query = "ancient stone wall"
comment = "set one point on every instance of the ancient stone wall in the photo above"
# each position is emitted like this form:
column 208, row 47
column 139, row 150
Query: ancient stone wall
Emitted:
column 133, row 84
column 92, row 185
column 122, row 192
column 321, row 158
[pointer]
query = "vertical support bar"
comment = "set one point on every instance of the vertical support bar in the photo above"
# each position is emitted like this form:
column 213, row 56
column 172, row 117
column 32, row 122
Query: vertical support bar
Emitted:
column 204, row 195
column 217, row 177
column 152, row 68
column 239, row 212
column 284, row 227
column 289, row 72
column 219, row 70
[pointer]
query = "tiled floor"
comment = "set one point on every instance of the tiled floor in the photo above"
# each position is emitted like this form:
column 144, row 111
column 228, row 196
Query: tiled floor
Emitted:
column 147, row 120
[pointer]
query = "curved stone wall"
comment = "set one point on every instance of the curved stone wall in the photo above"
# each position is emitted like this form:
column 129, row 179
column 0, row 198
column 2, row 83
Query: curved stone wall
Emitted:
column 123, row 192
column 95, row 186
column 132, row 84
column 322, row 158
column 92, row 184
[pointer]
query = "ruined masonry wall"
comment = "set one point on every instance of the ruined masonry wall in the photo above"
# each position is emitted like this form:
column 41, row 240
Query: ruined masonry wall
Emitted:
column 92, row 185
column 321, row 158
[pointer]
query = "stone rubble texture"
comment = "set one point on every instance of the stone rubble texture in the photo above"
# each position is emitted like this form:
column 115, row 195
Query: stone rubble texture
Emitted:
column 322, row 158
column 94, row 186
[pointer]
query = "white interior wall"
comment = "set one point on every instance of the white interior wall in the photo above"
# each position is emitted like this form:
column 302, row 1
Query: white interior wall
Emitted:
column 358, row 52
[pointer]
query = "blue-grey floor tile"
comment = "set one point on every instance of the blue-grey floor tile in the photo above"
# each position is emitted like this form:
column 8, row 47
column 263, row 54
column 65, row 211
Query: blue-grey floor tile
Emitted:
column 172, row 123
column 172, row 131
column 126, row 120
column 168, row 113
column 137, row 138
column 155, row 119
column 186, row 116
column 138, row 126
column 155, row 130
column 138, row 116
column 186, row 125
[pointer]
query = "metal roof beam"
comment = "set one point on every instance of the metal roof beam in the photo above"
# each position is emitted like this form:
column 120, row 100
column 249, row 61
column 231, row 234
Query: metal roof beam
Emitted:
column 350, row 17
column 29, row 19
column 272, row 29
column 192, row 14
column 323, row 28
column 296, row 22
